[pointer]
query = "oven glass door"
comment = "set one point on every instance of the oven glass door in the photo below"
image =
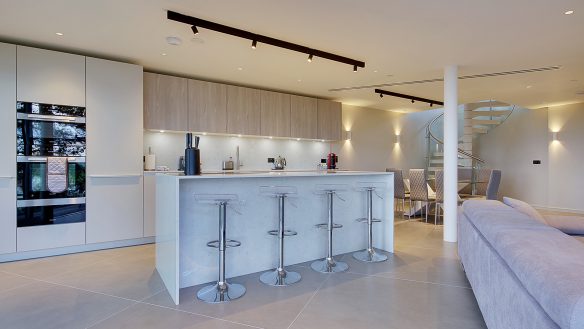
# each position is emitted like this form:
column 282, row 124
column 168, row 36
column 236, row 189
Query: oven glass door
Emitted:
column 50, row 138
column 32, row 181
column 50, row 214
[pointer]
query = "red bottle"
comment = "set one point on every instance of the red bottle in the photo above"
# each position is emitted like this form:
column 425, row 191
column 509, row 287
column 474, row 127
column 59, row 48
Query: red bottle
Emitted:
column 331, row 161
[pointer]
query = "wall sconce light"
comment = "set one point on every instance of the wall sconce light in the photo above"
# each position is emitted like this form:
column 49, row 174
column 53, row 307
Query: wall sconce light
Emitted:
column 348, row 135
column 397, row 139
column 554, row 136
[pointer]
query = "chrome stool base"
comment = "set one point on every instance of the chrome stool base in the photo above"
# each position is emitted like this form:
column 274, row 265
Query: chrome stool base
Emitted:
column 329, row 266
column 369, row 256
column 278, row 278
column 216, row 293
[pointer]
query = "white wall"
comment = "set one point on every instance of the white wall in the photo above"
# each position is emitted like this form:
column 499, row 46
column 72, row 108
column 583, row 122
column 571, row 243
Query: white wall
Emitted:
column 512, row 147
column 526, row 136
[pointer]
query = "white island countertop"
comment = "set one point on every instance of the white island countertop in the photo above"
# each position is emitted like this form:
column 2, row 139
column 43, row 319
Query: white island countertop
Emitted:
column 274, row 173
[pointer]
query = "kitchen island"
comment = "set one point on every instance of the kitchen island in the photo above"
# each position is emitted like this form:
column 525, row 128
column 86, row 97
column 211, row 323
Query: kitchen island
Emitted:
column 184, row 226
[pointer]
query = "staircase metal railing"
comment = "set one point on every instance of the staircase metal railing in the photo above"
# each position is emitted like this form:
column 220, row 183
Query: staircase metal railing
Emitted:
column 476, row 162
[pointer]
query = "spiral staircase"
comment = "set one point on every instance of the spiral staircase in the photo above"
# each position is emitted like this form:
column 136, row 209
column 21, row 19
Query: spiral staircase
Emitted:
column 477, row 118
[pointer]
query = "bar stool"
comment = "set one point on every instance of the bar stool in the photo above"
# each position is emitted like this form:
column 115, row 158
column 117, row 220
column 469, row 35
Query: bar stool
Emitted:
column 329, row 265
column 220, row 292
column 370, row 255
column 280, row 277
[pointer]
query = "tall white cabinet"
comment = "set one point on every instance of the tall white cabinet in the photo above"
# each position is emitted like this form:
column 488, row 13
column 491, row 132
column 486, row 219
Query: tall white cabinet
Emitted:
column 7, row 148
column 114, row 151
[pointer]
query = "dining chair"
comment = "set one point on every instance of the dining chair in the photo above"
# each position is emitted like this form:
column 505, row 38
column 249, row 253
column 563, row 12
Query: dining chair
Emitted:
column 419, row 188
column 483, row 178
column 399, row 189
column 492, row 192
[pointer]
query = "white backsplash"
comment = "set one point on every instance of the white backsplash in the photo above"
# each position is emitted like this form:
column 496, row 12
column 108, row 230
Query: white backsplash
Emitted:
column 254, row 151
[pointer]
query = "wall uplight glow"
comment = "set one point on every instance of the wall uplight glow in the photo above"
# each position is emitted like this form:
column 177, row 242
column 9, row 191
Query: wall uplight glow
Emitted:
column 348, row 135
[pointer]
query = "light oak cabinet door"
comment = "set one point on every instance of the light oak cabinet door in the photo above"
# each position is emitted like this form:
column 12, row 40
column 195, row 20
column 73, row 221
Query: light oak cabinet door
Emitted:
column 329, row 120
column 275, row 114
column 50, row 77
column 165, row 102
column 243, row 111
column 207, row 106
column 114, row 151
column 7, row 148
column 303, row 117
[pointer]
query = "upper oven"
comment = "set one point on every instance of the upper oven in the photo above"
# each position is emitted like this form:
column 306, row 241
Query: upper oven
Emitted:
column 50, row 130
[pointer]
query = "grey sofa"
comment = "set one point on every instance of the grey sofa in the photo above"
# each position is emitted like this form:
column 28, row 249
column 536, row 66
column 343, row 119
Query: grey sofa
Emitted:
column 524, row 274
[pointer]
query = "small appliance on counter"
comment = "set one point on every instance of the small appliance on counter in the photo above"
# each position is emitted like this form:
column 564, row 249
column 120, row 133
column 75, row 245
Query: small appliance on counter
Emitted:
column 278, row 163
column 227, row 164
column 331, row 161
column 150, row 160
column 181, row 163
column 192, row 156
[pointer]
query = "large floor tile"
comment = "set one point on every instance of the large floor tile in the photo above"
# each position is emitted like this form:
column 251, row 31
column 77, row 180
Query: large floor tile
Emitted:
column 262, row 306
column 150, row 317
column 11, row 281
column 128, row 277
column 42, row 268
column 46, row 306
column 356, row 301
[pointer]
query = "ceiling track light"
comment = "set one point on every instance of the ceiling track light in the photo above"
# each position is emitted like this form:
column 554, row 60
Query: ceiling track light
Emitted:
column 254, row 44
column 197, row 22
column 382, row 92
column 194, row 29
column 310, row 58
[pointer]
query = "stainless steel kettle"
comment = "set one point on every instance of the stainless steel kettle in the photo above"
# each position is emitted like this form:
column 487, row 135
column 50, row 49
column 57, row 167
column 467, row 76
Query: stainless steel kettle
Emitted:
column 279, row 163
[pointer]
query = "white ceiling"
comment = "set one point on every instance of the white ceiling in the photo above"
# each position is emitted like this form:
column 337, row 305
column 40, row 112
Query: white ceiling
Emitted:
column 398, row 40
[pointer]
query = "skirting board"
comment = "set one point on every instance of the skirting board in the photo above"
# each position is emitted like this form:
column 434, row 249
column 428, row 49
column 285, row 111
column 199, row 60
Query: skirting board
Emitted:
column 74, row 249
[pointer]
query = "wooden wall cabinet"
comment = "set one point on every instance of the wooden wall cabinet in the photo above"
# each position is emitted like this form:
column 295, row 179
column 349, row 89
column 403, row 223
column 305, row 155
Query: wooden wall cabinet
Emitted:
column 165, row 102
column 329, row 120
column 51, row 77
column 243, row 111
column 207, row 103
column 303, row 117
column 7, row 148
column 275, row 114
column 114, row 151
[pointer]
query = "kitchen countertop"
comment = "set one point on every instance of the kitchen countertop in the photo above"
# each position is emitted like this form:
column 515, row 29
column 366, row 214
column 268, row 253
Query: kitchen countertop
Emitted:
column 278, row 173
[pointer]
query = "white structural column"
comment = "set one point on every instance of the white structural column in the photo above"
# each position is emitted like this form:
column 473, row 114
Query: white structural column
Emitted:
column 450, row 152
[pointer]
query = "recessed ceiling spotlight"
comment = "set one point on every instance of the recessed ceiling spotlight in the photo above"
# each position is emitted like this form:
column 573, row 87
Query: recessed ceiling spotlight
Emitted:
column 297, row 139
column 204, row 134
column 375, row 71
column 163, row 54
column 569, row 12
column 175, row 41
column 299, row 80
column 270, row 137
column 240, row 68
column 162, row 131
column 238, row 135
column 322, row 140
column 528, row 87
column 59, row 34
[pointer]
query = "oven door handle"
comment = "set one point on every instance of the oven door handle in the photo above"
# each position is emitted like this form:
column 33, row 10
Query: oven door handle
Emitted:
column 49, row 118
column 22, row 158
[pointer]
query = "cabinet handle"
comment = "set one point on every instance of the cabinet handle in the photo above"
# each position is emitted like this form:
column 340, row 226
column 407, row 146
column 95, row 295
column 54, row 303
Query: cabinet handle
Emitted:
column 116, row 176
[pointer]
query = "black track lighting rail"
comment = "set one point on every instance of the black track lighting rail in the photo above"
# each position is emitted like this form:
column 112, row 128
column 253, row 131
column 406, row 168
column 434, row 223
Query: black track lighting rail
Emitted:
column 382, row 92
column 255, row 38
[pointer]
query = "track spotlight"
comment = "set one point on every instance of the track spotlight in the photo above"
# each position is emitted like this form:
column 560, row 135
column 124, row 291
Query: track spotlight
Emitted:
column 431, row 104
column 195, row 31
column 413, row 101
column 354, row 68
column 254, row 44
column 380, row 95
column 310, row 58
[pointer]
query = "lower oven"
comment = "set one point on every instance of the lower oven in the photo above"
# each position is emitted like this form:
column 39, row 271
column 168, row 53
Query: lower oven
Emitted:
column 36, row 205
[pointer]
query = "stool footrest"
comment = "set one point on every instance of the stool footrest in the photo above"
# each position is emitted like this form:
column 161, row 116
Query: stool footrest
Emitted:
column 228, row 244
column 364, row 220
column 325, row 226
column 286, row 232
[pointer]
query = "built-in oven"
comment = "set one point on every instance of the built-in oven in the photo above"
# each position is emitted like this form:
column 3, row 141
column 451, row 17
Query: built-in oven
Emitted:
column 49, row 134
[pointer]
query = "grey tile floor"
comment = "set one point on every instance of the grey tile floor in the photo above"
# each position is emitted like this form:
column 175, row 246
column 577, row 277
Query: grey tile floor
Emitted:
column 420, row 286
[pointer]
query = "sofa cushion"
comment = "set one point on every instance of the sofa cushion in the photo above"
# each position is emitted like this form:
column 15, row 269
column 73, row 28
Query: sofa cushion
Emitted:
column 573, row 225
column 547, row 262
column 525, row 208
